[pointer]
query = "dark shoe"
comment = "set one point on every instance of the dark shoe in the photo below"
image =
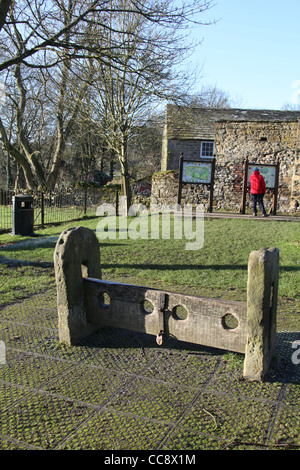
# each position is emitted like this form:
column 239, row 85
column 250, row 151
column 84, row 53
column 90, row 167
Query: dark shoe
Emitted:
column 266, row 215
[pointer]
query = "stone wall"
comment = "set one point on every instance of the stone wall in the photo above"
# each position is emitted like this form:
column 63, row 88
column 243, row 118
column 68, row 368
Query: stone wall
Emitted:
column 262, row 142
column 165, row 190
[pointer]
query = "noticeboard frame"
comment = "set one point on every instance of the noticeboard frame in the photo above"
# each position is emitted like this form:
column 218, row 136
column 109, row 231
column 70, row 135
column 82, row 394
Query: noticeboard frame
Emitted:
column 273, row 187
column 210, row 183
column 186, row 163
column 262, row 165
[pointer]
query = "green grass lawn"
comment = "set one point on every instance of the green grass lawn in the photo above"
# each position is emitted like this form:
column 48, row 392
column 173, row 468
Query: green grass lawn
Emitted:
column 218, row 269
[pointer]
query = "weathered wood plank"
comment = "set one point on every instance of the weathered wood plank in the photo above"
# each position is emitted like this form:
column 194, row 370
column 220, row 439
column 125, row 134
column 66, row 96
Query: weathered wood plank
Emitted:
column 204, row 324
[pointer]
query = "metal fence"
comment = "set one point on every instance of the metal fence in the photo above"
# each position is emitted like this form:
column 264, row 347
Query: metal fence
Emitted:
column 57, row 207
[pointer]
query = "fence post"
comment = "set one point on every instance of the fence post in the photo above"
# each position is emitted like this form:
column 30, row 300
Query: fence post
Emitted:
column 212, row 182
column 180, row 179
column 117, row 202
column 85, row 201
column 244, row 193
column 273, row 209
column 262, row 291
column 42, row 210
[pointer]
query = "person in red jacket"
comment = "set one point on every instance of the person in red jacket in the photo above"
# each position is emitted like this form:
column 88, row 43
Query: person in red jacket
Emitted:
column 257, row 191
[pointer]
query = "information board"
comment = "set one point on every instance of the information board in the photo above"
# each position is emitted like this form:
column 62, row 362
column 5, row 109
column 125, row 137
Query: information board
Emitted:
column 271, row 177
column 196, row 172
column 267, row 171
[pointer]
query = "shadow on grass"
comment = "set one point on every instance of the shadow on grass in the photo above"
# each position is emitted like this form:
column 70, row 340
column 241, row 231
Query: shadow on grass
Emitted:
column 11, row 263
column 119, row 338
column 45, row 244
column 283, row 369
column 148, row 266
column 198, row 267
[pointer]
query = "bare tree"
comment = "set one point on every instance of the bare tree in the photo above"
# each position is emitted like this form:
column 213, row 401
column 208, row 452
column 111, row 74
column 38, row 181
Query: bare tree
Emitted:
column 45, row 33
column 143, row 73
column 24, row 96
column 144, row 148
column 209, row 97
column 291, row 107
column 131, row 46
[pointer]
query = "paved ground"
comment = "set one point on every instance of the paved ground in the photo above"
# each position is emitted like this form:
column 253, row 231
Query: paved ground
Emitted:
column 121, row 391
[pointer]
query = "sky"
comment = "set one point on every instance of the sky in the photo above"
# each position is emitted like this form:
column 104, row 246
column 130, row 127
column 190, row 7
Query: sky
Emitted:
column 252, row 52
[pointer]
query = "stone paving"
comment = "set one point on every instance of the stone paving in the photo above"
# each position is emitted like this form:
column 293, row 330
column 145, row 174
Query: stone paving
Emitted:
column 120, row 391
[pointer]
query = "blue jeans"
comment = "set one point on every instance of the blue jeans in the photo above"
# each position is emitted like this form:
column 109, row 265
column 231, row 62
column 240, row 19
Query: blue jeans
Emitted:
column 258, row 199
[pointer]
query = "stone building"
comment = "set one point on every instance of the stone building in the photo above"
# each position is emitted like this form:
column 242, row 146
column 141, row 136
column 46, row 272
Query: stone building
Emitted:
column 230, row 135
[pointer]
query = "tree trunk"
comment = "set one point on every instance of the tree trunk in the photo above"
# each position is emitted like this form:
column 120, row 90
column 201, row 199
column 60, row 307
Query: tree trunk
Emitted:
column 29, row 155
column 4, row 7
column 18, row 156
column 8, row 172
column 52, row 179
column 125, row 182
column 125, row 178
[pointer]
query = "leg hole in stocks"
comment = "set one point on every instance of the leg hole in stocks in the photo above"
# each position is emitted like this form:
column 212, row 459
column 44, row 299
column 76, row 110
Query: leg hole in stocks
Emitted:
column 104, row 299
column 147, row 306
column 179, row 312
column 229, row 322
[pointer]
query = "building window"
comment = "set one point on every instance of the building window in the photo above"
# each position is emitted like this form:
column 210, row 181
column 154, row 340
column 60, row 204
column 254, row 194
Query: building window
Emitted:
column 207, row 150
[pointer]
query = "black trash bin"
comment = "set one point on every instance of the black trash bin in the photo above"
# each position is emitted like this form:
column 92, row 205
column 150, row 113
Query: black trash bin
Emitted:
column 23, row 215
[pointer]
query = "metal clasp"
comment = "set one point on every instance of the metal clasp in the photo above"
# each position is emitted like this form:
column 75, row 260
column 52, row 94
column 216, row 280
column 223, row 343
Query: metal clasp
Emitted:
column 159, row 337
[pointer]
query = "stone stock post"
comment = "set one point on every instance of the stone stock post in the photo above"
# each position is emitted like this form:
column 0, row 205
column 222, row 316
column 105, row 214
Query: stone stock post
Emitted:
column 77, row 255
column 262, row 292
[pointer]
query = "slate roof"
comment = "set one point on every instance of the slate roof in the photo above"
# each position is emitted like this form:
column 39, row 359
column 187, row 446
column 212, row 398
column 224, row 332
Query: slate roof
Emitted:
column 185, row 123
